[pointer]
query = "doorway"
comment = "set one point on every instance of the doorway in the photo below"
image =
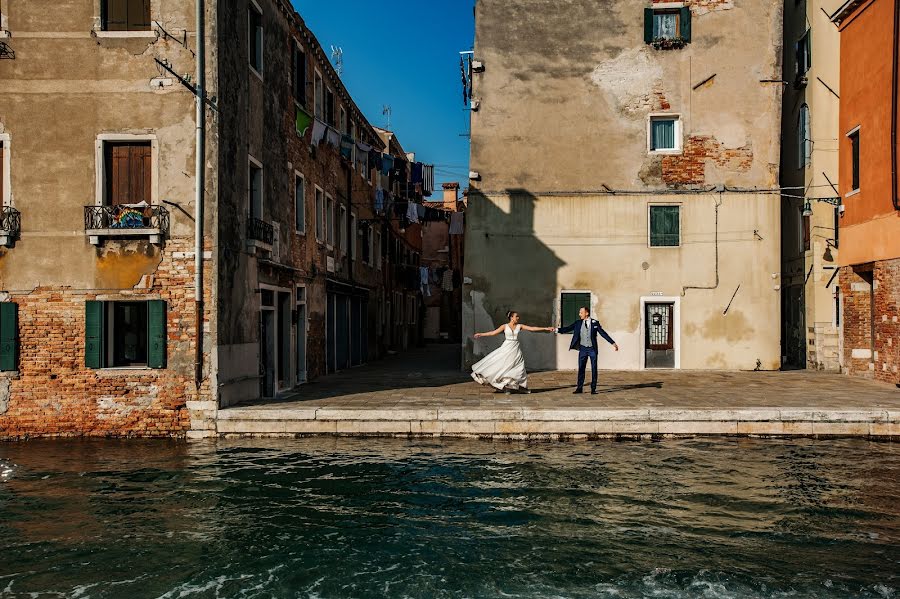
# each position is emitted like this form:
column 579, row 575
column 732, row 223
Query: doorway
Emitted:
column 301, row 324
column 659, row 335
column 267, row 344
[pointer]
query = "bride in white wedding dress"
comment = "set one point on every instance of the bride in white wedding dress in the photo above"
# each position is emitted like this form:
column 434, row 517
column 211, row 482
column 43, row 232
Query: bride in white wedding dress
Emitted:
column 504, row 368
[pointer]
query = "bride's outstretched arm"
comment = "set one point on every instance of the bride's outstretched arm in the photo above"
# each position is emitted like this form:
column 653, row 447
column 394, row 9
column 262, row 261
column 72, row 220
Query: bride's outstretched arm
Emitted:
column 497, row 331
column 525, row 327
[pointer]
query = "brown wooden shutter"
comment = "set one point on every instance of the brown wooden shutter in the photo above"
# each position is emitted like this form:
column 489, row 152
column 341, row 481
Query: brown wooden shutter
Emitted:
column 140, row 174
column 119, row 175
column 116, row 15
column 138, row 15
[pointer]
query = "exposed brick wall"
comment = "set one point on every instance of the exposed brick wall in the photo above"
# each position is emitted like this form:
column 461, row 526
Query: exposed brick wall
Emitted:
column 884, row 363
column 689, row 167
column 54, row 394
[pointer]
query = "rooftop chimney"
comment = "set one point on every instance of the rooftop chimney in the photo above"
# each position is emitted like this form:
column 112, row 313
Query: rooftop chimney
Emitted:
column 450, row 196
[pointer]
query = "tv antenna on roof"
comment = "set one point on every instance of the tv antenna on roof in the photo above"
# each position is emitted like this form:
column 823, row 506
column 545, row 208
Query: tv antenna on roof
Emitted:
column 337, row 57
column 386, row 112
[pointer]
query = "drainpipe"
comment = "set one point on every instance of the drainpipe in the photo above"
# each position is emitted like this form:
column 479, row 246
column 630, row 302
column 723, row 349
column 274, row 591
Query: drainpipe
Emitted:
column 200, row 176
column 894, row 83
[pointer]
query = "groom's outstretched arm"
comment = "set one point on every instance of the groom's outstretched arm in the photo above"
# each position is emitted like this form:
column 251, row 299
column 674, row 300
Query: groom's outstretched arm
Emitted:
column 606, row 336
column 568, row 329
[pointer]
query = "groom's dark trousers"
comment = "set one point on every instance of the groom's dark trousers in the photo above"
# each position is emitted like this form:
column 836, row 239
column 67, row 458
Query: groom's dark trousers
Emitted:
column 585, row 354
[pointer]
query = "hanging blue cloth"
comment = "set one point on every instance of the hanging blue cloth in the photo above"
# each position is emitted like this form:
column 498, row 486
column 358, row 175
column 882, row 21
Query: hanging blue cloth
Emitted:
column 387, row 163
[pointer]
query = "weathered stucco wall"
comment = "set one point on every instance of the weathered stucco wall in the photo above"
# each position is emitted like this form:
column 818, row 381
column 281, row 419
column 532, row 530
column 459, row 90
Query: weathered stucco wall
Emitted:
column 69, row 84
column 565, row 100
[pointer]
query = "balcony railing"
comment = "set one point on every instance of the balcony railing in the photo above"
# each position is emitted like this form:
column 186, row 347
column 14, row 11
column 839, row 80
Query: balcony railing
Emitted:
column 10, row 225
column 126, row 220
column 260, row 230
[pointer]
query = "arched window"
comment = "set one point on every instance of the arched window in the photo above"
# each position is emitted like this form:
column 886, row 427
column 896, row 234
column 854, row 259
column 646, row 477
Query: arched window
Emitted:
column 804, row 143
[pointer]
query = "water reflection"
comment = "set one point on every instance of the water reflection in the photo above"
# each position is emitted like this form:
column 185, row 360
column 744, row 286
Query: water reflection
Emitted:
column 394, row 518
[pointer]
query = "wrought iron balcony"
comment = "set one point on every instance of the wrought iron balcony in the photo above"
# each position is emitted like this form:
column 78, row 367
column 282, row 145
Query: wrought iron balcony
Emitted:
column 260, row 230
column 126, row 220
column 10, row 225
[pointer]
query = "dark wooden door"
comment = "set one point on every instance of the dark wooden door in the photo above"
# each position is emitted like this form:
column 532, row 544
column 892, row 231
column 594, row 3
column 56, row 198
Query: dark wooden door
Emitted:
column 659, row 343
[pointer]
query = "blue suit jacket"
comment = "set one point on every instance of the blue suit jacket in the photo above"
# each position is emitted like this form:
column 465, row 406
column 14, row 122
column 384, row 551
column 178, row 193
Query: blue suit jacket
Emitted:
column 575, row 329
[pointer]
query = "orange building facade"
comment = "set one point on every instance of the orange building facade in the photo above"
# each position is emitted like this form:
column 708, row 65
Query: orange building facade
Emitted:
column 869, row 276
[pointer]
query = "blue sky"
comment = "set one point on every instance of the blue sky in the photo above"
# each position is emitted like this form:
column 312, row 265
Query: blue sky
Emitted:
column 405, row 53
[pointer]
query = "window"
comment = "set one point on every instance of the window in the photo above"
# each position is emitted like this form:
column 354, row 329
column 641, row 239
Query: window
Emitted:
column 4, row 160
column 319, row 97
column 343, row 122
column 665, row 133
column 342, row 230
column 854, row 159
column 320, row 216
column 256, row 189
column 804, row 53
column 366, row 244
column 353, row 233
column 125, row 334
column 807, row 232
column 125, row 15
column 255, row 36
column 570, row 303
column 329, row 107
column 329, row 220
column 377, row 250
column 665, row 226
column 299, row 76
column 411, row 309
column 128, row 168
column 804, row 143
column 300, row 203
column 663, row 26
column 837, row 306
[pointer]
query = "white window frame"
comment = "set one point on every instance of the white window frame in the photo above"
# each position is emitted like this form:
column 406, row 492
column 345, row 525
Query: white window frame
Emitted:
column 100, row 164
column 804, row 141
column 320, row 213
column 6, row 169
column 318, row 95
column 4, row 20
column 343, row 121
column 329, row 224
column 98, row 30
column 850, row 134
column 301, row 49
column 371, row 245
column 680, row 207
column 251, row 161
column 299, row 203
column 658, row 116
column 262, row 41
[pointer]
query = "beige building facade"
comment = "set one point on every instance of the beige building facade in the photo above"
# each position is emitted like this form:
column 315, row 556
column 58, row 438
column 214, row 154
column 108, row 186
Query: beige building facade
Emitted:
column 809, row 175
column 627, row 157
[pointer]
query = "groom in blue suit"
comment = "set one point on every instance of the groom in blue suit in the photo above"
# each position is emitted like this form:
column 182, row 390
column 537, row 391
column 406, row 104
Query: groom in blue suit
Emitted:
column 584, row 339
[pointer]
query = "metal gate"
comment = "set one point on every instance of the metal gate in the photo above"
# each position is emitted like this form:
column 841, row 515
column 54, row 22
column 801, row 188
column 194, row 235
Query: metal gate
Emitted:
column 659, row 344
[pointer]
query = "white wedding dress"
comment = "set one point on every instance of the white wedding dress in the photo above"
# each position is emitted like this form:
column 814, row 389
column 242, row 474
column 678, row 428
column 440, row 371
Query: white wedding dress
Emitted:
column 503, row 368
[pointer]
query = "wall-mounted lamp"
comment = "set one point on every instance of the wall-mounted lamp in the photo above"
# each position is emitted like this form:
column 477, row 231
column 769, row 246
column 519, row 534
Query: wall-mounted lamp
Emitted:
column 807, row 207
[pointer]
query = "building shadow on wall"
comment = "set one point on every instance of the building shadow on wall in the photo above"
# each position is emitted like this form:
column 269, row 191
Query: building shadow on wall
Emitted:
column 511, row 269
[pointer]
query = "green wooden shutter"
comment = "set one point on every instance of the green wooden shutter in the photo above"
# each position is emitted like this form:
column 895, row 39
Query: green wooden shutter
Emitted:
column 156, row 334
column 685, row 23
column 665, row 226
column 648, row 25
column 94, row 334
column 9, row 336
column 570, row 304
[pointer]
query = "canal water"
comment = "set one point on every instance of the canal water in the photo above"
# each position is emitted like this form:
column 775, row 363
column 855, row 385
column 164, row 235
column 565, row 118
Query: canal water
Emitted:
column 398, row 518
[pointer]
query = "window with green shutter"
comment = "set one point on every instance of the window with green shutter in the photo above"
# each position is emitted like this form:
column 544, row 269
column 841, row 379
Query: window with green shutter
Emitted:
column 9, row 336
column 156, row 327
column 125, row 334
column 570, row 304
column 665, row 226
column 94, row 335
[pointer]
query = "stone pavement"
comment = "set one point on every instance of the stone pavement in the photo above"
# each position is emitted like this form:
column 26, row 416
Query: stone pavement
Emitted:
column 423, row 392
